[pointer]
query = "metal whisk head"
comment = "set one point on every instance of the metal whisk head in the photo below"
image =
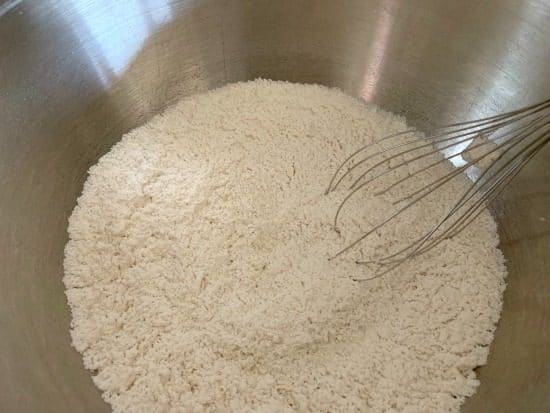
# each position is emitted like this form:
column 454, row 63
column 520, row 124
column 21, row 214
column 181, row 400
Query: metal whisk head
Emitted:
column 508, row 142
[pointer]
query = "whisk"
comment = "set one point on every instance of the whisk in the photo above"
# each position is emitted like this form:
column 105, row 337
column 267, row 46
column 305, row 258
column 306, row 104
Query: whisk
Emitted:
column 508, row 142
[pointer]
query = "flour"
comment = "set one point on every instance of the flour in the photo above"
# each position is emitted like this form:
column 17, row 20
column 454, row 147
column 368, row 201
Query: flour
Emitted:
column 198, row 276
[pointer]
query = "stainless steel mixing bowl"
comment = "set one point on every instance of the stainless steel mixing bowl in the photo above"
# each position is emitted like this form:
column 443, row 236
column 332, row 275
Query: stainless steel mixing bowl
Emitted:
column 76, row 74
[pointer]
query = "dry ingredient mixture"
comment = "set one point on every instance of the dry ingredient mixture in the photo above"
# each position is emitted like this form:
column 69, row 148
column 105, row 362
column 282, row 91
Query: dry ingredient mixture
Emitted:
column 198, row 276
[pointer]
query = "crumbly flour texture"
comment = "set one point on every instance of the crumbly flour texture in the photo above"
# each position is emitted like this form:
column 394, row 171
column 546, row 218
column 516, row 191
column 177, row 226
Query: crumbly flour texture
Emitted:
column 198, row 276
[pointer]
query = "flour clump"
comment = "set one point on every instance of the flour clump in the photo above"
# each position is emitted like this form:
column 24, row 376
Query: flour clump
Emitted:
column 199, row 279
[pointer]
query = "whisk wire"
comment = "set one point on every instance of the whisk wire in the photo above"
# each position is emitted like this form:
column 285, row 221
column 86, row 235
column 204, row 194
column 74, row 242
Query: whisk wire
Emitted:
column 427, row 188
column 511, row 117
column 525, row 132
column 494, row 192
column 477, row 206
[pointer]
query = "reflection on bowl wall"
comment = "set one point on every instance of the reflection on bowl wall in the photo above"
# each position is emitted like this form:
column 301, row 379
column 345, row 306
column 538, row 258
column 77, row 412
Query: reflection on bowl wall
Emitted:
column 77, row 74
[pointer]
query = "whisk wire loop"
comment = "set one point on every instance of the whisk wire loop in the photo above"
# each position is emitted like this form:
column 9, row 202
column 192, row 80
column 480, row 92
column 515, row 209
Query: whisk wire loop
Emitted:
column 509, row 141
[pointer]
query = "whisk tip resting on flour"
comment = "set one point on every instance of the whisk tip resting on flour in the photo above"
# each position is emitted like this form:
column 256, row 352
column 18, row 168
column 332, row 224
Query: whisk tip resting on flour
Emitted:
column 490, row 151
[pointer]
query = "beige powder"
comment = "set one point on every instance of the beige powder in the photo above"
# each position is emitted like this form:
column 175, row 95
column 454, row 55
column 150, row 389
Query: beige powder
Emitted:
column 198, row 276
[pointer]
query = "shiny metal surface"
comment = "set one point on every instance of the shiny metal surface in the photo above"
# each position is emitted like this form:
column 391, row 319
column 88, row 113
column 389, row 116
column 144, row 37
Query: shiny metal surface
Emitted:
column 76, row 74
